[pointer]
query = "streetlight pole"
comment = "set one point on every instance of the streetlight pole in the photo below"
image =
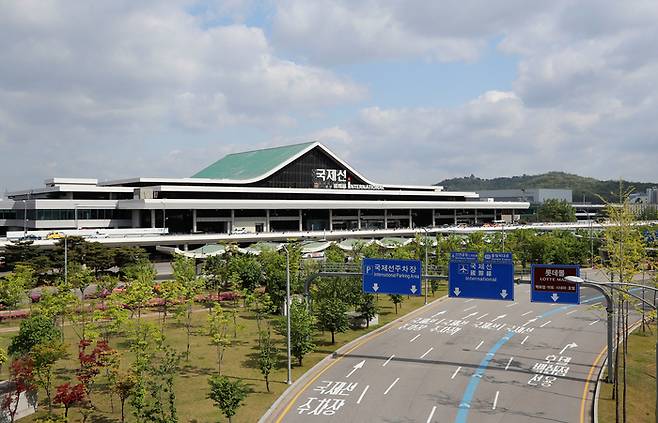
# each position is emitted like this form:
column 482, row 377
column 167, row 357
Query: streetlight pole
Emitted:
column 615, row 286
column 287, row 308
column 426, row 268
column 66, row 260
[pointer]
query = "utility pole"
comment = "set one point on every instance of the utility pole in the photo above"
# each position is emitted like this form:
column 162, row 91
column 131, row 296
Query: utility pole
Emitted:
column 287, row 308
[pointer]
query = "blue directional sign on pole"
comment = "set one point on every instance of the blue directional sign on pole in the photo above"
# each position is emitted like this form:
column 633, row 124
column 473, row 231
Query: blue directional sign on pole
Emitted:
column 491, row 279
column 387, row 276
column 549, row 285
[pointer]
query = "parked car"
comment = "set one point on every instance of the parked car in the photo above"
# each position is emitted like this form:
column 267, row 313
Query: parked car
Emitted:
column 29, row 237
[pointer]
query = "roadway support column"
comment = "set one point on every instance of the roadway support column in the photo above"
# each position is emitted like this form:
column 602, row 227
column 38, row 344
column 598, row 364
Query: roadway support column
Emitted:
column 267, row 220
column 194, row 220
column 385, row 219
column 358, row 219
column 301, row 227
column 331, row 220
column 153, row 218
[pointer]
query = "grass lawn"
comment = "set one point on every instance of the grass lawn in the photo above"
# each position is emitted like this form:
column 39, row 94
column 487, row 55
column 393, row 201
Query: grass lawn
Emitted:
column 239, row 361
column 641, row 387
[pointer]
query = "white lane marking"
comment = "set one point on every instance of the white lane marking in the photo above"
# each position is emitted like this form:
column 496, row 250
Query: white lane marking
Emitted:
column 470, row 315
column 544, row 324
column 479, row 345
column 510, row 305
column 526, row 313
column 495, row 400
column 524, row 339
column 426, row 352
column 485, row 314
column 529, row 321
column 595, row 321
column 456, row 371
column 439, row 313
column 468, row 301
column 470, row 308
column 498, row 318
column 362, row 394
column 572, row 312
column 392, row 385
column 414, row 338
column 389, row 359
column 429, row 419
column 509, row 362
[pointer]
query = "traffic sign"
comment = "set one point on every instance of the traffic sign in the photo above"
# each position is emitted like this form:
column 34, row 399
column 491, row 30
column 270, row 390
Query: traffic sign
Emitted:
column 388, row 276
column 549, row 285
column 491, row 279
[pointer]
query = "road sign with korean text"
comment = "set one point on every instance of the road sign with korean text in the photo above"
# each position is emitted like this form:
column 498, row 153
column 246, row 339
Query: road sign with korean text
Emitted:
column 388, row 276
column 489, row 279
column 550, row 286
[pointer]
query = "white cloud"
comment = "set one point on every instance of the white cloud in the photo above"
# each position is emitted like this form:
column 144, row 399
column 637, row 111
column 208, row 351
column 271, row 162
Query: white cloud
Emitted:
column 79, row 74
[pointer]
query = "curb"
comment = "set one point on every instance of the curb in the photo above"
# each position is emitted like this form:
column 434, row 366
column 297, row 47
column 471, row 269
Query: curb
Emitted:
column 597, row 389
column 301, row 381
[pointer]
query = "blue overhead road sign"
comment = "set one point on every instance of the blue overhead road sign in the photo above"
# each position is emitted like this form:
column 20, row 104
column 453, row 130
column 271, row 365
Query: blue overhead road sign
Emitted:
column 491, row 279
column 550, row 286
column 387, row 276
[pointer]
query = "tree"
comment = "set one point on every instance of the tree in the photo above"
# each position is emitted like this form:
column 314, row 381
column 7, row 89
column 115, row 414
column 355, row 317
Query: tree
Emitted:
column 127, row 256
column 13, row 285
column 92, row 362
column 22, row 380
column 554, row 210
column 274, row 269
column 217, row 328
column 122, row 384
column 169, row 292
column 249, row 270
column 68, row 396
column 267, row 355
column 3, row 358
column 226, row 394
column 396, row 299
column 302, row 324
column 190, row 283
column 368, row 308
column 330, row 315
column 140, row 287
column 34, row 330
column 44, row 356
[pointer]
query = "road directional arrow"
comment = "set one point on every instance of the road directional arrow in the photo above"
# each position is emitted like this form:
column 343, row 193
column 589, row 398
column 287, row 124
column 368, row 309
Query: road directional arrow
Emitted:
column 356, row 367
column 413, row 289
column 375, row 287
column 555, row 297
column 499, row 317
column 457, row 291
column 572, row 345
column 503, row 293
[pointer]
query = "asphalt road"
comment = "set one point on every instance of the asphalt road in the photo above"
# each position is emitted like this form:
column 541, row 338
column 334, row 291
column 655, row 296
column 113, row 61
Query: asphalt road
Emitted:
column 460, row 361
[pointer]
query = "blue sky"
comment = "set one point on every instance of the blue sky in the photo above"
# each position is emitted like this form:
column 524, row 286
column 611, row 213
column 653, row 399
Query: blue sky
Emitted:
column 409, row 92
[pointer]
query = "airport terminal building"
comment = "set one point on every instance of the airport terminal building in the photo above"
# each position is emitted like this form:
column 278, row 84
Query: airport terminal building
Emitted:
column 301, row 187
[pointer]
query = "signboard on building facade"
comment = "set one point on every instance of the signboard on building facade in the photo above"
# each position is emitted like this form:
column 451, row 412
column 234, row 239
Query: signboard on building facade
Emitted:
column 337, row 179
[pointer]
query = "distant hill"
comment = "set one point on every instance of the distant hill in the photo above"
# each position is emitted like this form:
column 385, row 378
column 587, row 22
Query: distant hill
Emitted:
column 590, row 188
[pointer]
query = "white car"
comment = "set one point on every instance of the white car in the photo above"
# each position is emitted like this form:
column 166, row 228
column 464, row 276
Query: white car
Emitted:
column 239, row 231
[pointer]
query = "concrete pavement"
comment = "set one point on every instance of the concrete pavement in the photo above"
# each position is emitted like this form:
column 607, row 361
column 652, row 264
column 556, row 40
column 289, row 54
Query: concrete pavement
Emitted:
column 462, row 361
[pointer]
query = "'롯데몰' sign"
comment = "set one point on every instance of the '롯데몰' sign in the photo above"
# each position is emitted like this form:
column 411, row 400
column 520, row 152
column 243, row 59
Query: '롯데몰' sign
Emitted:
column 550, row 286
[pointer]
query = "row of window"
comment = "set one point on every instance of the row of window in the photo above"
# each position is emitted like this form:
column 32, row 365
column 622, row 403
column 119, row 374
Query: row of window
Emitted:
column 72, row 214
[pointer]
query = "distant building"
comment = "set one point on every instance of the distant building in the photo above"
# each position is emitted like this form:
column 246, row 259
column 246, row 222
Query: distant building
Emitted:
column 652, row 195
column 531, row 195
column 301, row 187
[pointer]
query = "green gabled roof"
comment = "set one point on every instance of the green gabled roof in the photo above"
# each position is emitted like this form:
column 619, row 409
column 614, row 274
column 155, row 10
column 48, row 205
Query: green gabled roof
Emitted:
column 251, row 164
